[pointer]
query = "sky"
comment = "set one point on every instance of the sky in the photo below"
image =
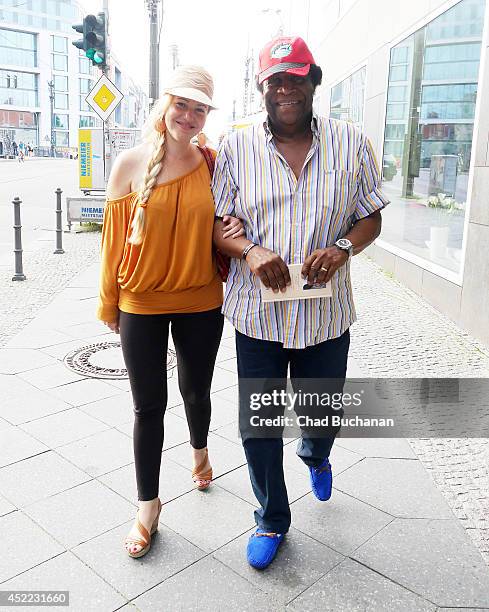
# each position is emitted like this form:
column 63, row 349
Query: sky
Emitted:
column 217, row 35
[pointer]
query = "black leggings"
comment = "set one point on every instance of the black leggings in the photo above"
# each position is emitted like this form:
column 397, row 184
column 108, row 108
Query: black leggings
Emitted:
column 144, row 340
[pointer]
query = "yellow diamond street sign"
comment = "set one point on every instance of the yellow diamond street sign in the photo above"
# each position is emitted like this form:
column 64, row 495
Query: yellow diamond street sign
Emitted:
column 104, row 97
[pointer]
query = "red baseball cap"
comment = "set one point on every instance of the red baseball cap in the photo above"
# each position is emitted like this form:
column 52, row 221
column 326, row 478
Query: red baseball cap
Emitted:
column 284, row 54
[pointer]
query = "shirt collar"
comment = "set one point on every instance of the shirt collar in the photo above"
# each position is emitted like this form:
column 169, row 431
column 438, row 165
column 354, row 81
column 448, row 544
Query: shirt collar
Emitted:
column 314, row 126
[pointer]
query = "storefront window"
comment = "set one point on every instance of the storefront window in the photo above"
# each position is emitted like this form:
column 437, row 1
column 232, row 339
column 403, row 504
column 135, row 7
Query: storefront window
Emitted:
column 61, row 121
column 433, row 80
column 347, row 98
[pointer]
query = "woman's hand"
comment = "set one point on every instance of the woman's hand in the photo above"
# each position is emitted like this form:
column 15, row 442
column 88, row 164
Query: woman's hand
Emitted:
column 232, row 227
column 113, row 326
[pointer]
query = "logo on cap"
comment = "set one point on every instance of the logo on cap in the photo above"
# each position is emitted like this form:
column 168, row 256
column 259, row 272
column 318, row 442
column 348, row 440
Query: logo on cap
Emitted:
column 281, row 50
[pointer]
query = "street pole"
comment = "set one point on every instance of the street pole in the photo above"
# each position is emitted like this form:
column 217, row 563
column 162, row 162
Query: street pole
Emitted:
column 154, row 52
column 51, row 101
column 107, row 124
column 19, row 272
column 59, row 227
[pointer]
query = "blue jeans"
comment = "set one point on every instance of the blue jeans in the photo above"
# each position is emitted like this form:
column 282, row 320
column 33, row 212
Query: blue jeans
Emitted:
column 267, row 359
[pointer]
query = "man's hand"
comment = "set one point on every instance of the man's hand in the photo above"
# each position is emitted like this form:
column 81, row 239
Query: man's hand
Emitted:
column 269, row 267
column 232, row 227
column 113, row 326
column 321, row 264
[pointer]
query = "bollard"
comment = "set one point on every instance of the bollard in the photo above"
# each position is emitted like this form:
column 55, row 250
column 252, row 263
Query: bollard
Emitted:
column 59, row 229
column 19, row 274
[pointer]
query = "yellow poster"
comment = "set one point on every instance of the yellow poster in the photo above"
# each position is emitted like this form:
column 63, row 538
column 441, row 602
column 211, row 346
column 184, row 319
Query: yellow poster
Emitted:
column 85, row 158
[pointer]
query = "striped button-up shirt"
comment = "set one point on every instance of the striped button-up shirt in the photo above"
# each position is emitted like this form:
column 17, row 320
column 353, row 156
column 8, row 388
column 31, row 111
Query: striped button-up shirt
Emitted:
column 338, row 185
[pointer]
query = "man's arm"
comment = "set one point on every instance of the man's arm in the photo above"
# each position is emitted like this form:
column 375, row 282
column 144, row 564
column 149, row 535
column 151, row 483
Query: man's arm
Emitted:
column 267, row 265
column 321, row 264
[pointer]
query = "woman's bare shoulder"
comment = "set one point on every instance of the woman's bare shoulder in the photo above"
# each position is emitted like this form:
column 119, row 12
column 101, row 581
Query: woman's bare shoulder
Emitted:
column 125, row 171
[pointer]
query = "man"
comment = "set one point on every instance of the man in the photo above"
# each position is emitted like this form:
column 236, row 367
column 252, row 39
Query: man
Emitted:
column 307, row 191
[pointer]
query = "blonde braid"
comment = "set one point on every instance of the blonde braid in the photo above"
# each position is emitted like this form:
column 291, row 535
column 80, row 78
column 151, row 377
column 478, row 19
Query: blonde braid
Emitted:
column 138, row 224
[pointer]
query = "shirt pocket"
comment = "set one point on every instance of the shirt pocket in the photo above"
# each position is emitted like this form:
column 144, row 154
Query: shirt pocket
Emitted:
column 338, row 191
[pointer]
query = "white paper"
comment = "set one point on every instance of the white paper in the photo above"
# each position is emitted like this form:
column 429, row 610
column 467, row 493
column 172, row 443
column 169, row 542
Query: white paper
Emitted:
column 299, row 289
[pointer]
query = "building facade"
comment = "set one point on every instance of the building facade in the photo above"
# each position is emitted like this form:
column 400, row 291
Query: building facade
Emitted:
column 415, row 77
column 40, row 66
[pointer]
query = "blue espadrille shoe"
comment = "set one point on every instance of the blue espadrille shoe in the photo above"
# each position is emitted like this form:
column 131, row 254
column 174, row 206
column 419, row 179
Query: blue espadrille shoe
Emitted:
column 322, row 480
column 262, row 548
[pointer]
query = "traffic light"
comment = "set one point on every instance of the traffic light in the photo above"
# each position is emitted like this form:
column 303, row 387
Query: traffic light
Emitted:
column 94, row 39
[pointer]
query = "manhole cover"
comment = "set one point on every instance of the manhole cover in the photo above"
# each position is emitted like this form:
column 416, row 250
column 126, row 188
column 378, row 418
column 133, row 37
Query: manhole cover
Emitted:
column 104, row 360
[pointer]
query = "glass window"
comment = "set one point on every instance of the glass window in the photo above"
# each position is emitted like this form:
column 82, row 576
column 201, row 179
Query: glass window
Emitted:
column 87, row 121
column 18, row 48
column 84, row 65
column 61, row 121
column 60, row 44
column 84, row 106
column 60, row 62
column 85, row 86
column 60, row 82
column 347, row 98
column 61, row 101
column 61, row 139
column 428, row 134
column 18, row 88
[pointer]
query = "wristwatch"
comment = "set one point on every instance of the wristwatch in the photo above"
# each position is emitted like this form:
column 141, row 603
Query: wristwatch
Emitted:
column 345, row 245
column 247, row 249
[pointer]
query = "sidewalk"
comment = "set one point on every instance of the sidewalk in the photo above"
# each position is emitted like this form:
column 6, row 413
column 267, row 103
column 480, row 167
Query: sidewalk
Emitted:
column 387, row 539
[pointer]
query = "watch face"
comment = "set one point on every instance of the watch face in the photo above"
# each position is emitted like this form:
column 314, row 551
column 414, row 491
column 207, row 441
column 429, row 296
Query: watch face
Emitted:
column 343, row 243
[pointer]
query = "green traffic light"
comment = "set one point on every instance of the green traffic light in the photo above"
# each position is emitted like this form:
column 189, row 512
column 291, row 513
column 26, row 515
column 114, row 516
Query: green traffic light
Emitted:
column 95, row 56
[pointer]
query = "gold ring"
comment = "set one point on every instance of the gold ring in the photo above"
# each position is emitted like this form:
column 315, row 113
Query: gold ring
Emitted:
column 324, row 269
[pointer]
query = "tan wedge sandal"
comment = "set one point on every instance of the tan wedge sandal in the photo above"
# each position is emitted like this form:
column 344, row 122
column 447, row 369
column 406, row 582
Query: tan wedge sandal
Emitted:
column 145, row 540
column 202, row 479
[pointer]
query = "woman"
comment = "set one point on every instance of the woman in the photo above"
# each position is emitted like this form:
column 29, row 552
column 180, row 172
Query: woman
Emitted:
column 157, row 270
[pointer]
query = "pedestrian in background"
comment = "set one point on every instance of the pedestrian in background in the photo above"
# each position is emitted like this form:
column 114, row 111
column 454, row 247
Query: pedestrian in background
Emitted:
column 158, row 271
column 307, row 189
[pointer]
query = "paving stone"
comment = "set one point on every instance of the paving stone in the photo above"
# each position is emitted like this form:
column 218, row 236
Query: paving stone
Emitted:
column 353, row 588
column 16, row 445
column 400, row 487
column 230, row 394
column 82, row 513
column 87, row 591
column 207, row 586
column 84, row 392
column 59, row 351
column 209, row 518
column 31, row 544
column 169, row 554
column 433, row 558
column 174, row 481
column 342, row 523
column 230, row 432
column 224, row 456
column 299, row 563
column 230, row 364
column 238, row 483
column 341, row 459
column 115, row 410
column 14, row 361
column 50, row 376
column 38, row 339
column 5, row 506
column 83, row 330
column 38, row 477
column 12, row 386
column 31, row 404
column 100, row 453
column 64, row 427
column 389, row 448
column 223, row 379
column 224, row 353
